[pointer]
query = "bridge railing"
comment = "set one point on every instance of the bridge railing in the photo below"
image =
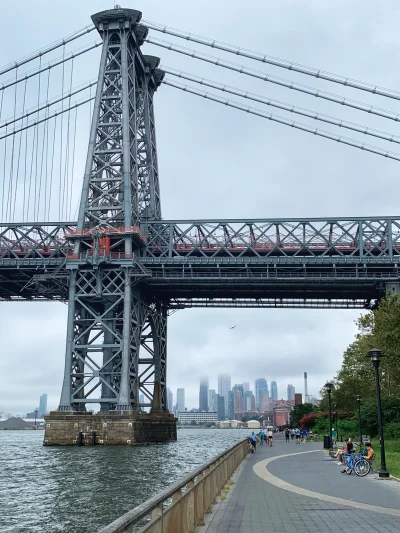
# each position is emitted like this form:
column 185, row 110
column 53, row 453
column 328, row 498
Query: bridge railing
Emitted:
column 181, row 507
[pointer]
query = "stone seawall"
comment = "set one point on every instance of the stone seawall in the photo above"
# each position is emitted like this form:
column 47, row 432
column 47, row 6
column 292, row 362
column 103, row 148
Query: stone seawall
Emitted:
column 70, row 428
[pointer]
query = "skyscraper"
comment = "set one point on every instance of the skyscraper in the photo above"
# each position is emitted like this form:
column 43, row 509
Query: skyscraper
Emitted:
column 212, row 401
column 274, row 390
column 170, row 400
column 249, row 401
column 203, row 395
column 290, row 393
column 224, row 386
column 238, row 400
column 260, row 385
column 180, row 400
column 246, row 386
column 141, row 401
column 231, row 405
column 221, row 407
column 43, row 405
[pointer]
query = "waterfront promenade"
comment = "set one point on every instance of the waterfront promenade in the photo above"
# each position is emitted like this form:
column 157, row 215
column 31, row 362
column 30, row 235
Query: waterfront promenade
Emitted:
column 284, row 490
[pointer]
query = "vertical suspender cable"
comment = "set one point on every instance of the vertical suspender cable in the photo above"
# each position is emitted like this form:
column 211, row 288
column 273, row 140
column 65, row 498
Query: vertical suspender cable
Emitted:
column 19, row 152
column 61, row 138
column 73, row 166
column 45, row 134
column 52, row 166
column 37, row 143
column 25, row 170
column 30, row 173
column 66, row 169
column 4, row 178
column 10, row 181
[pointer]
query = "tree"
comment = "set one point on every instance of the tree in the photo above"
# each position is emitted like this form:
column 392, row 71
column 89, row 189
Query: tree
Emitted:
column 299, row 411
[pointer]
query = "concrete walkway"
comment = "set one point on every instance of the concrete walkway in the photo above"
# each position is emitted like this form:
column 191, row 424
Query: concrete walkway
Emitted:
column 276, row 491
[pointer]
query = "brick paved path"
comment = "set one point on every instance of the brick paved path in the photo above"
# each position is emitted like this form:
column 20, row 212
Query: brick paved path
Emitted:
column 257, row 506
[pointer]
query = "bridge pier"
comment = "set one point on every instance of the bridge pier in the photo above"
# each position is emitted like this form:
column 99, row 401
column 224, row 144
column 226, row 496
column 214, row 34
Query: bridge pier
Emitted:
column 129, row 428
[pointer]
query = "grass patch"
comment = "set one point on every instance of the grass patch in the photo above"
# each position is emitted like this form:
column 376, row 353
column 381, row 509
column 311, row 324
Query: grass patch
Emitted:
column 392, row 452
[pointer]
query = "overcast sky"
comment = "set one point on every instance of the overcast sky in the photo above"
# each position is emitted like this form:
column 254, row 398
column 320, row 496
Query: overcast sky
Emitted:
column 218, row 162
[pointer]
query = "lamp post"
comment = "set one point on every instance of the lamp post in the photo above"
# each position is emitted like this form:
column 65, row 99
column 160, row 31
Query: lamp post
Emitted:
column 337, row 423
column 36, row 412
column 328, row 388
column 375, row 355
column 358, row 400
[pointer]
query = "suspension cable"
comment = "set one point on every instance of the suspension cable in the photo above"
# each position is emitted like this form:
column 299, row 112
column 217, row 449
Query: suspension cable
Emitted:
column 282, row 63
column 56, row 63
column 277, row 81
column 49, row 117
column 282, row 105
column 285, row 121
column 50, row 103
column 46, row 49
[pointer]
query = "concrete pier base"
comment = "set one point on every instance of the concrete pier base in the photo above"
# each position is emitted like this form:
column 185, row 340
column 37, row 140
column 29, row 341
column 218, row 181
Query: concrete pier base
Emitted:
column 72, row 428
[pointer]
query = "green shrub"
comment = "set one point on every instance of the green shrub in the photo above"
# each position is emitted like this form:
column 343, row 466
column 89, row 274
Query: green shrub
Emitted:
column 392, row 431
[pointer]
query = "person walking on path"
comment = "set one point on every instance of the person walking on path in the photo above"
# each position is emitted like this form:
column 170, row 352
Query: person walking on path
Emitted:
column 262, row 436
column 253, row 440
column 292, row 433
column 270, row 437
column 303, row 434
column 297, row 436
column 287, row 434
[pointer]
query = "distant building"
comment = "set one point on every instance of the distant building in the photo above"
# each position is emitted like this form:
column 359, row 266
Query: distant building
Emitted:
column 238, row 405
column 265, row 402
column 274, row 390
column 224, row 386
column 249, row 401
column 43, row 405
column 298, row 398
column 180, row 400
column 212, row 401
column 231, row 405
column 221, row 407
column 203, row 395
column 281, row 415
column 141, row 401
column 194, row 417
column 290, row 393
column 170, row 400
column 260, row 386
column 246, row 387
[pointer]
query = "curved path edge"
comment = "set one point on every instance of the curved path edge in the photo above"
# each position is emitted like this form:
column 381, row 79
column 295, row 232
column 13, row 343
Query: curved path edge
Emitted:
column 262, row 471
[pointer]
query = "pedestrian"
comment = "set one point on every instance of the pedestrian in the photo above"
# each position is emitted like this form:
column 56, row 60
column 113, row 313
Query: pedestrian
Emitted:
column 270, row 437
column 292, row 433
column 304, row 434
column 261, row 435
column 311, row 435
column 297, row 431
column 287, row 434
column 253, row 440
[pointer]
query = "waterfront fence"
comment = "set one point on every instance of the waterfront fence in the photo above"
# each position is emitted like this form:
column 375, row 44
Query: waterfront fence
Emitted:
column 181, row 507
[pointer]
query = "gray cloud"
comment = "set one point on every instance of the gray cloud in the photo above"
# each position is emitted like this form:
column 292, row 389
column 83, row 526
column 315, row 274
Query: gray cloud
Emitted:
column 217, row 162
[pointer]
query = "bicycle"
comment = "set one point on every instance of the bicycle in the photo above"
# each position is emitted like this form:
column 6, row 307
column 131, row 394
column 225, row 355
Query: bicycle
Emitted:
column 360, row 465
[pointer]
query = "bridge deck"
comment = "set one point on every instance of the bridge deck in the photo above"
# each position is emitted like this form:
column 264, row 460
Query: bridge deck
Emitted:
column 304, row 493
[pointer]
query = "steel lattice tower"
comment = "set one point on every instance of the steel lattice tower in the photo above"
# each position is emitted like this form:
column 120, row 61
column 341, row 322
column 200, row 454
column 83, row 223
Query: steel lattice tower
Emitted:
column 109, row 318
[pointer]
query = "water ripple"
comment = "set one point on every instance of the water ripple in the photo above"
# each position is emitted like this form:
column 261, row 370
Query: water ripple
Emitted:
column 80, row 490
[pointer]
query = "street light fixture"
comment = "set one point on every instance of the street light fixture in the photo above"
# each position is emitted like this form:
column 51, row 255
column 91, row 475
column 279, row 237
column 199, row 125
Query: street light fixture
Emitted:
column 328, row 388
column 358, row 400
column 376, row 355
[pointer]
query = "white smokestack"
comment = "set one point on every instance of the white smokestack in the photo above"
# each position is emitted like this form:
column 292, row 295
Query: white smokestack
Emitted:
column 305, row 388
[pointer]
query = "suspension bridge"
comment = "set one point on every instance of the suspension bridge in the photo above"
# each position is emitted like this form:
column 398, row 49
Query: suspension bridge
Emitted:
column 120, row 267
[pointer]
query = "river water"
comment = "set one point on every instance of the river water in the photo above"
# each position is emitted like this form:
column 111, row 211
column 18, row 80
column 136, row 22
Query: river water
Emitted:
column 81, row 489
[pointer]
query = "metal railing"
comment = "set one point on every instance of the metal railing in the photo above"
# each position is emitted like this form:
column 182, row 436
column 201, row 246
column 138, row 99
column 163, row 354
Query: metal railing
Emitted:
column 181, row 507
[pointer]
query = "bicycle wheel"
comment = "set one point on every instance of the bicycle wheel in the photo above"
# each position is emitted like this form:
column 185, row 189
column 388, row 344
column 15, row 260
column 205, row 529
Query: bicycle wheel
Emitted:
column 362, row 467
